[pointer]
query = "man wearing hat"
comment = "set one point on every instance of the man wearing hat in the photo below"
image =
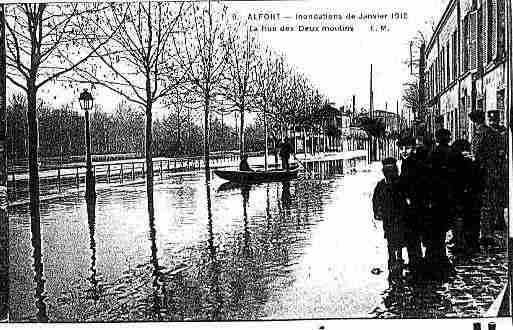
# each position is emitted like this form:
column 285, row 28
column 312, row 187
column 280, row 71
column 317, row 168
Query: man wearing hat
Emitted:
column 485, row 150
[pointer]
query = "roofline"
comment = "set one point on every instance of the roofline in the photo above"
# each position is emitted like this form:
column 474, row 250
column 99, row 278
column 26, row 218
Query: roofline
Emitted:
column 442, row 21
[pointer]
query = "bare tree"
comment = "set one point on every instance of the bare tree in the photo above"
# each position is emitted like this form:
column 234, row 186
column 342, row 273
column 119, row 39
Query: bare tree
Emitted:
column 41, row 47
column 238, row 85
column 265, row 77
column 137, row 62
column 411, row 97
column 203, row 59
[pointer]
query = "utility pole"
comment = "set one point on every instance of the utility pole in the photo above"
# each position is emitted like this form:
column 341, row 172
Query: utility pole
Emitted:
column 398, row 127
column 411, row 58
column 371, row 115
column 354, row 107
column 371, row 96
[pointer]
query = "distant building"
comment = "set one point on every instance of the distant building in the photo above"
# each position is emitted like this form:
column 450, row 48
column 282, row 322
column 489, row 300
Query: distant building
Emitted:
column 466, row 65
column 390, row 120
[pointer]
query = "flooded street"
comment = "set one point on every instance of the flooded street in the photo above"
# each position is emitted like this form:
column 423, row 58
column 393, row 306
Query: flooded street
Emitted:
column 299, row 249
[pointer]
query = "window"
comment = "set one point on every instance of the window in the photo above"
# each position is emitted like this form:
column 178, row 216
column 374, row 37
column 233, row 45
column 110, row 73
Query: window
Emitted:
column 442, row 68
column 480, row 37
column 472, row 23
column 448, row 61
column 465, row 44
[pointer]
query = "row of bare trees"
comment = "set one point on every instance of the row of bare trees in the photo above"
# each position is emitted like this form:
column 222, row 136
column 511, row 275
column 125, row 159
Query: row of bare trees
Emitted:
column 118, row 134
column 193, row 56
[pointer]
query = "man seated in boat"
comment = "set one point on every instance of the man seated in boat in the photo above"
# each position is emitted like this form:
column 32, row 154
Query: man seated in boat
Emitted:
column 244, row 165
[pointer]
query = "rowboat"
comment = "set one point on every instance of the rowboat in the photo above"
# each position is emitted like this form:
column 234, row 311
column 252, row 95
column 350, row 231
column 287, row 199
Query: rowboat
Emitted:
column 257, row 176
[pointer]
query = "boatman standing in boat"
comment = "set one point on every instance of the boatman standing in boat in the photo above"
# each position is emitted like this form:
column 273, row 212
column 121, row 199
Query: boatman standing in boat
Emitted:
column 285, row 151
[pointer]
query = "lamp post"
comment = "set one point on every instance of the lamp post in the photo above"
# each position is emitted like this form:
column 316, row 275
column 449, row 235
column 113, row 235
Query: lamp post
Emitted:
column 86, row 103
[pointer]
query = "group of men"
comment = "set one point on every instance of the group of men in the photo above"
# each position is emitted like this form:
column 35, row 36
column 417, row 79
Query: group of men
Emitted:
column 460, row 187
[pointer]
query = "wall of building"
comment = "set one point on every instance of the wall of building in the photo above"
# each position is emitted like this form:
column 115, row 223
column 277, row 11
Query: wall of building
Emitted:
column 465, row 64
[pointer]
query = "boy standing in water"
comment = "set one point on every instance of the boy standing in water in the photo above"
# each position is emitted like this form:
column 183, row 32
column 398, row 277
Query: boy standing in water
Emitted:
column 388, row 206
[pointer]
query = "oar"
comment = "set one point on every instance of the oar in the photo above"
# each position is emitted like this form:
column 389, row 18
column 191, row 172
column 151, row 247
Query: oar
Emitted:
column 301, row 163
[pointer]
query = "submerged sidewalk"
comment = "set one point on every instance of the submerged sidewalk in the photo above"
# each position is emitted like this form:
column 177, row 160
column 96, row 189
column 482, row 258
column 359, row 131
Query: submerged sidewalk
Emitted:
column 336, row 279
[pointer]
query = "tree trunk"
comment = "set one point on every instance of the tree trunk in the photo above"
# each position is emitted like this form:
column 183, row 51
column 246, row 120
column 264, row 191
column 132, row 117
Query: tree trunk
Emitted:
column 312, row 138
column 293, row 137
column 178, row 133
column 149, row 160
column 266, row 149
column 33, row 162
column 35, row 226
column 242, row 144
column 304, row 140
column 206, row 144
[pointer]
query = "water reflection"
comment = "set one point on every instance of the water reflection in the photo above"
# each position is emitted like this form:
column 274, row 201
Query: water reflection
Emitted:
column 91, row 220
column 245, row 199
column 285, row 194
column 215, row 296
column 469, row 293
column 222, row 254
column 157, row 293
column 40, row 295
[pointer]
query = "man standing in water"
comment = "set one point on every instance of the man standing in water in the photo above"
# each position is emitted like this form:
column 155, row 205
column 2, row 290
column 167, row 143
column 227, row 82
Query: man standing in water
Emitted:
column 388, row 206
column 486, row 153
column 285, row 151
column 500, row 171
column 414, row 187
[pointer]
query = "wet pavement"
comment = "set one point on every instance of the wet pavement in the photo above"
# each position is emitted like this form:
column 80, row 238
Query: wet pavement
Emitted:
column 303, row 249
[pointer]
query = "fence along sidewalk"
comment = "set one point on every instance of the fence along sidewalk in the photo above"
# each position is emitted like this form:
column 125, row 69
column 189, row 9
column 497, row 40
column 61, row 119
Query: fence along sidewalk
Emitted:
column 66, row 177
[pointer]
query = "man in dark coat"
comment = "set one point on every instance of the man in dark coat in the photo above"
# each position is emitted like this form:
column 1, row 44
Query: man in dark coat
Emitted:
column 285, row 151
column 468, row 195
column 443, row 162
column 486, row 152
column 388, row 205
column 414, row 183
column 500, row 173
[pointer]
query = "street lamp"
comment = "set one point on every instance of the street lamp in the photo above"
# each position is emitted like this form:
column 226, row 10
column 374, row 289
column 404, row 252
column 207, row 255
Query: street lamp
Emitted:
column 86, row 103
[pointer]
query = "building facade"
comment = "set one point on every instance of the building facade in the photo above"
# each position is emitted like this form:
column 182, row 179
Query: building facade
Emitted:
column 467, row 65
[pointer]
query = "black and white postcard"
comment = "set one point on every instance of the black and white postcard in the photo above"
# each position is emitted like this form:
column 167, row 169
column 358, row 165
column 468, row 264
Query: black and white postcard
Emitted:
column 263, row 161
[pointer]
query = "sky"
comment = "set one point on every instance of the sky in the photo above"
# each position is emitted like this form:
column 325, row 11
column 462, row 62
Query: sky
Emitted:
column 338, row 63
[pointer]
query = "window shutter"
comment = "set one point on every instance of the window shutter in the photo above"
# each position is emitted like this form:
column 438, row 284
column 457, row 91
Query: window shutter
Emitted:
column 464, row 43
column 493, row 27
column 455, row 55
column 473, row 40
column 489, row 31
column 481, row 39
column 501, row 28
column 448, row 60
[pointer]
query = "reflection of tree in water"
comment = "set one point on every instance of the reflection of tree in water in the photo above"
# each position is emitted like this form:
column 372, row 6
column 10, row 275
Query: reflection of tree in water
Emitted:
column 230, row 274
column 40, row 296
column 237, row 274
column 215, row 300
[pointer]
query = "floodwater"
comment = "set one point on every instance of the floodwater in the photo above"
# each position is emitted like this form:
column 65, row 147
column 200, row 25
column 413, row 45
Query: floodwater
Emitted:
column 287, row 250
